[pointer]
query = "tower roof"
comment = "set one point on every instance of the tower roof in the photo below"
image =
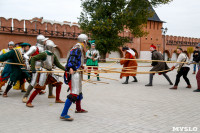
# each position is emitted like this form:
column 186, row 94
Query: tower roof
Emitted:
column 155, row 16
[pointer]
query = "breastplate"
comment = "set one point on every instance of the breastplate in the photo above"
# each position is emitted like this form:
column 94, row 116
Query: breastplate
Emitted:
column 48, row 63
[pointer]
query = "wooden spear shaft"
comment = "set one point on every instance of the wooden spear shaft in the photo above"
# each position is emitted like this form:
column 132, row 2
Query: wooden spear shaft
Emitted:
column 150, row 60
column 13, row 63
column 100, row 77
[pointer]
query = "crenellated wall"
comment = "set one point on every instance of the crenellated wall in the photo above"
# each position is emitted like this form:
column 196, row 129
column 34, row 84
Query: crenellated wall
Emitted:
column 65, row 34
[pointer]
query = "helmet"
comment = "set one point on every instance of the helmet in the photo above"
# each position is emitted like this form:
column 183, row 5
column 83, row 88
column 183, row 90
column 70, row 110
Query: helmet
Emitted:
column 41, row 39
column 50, row 45
column 82, row 38
column 11, row 43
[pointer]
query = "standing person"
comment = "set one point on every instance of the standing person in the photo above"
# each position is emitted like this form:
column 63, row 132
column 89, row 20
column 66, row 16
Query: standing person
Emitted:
column 20, row 84
column 48, row 60
column 33, row 51
column 6, row 69
column 74, row 78
column 16, row 72
column 157, row 66
column 183, row 69
column 92, row 60
column 196, row 58
column 131, row 64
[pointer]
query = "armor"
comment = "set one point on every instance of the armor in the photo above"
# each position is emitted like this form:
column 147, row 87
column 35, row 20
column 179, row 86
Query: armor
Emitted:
column 41, row 39
column 82, row 38
column 93, row 53
column 76, row 78
column 48, row 63
column 34, row 50
column 11, row 43
column 50, row 46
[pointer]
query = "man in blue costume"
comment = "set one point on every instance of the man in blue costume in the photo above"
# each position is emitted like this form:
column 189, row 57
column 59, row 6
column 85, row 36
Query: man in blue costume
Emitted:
column 73, row 78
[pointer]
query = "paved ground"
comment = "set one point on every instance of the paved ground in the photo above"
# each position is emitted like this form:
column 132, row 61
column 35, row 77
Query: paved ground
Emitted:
column 113, row 108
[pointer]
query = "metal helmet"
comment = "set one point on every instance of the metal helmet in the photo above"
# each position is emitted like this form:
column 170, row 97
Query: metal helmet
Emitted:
column 82, row 38
column 41, row 39
column 11, row 43
column 50, row 45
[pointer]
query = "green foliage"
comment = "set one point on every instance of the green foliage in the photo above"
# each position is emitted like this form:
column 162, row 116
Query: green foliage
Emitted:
column 106, row 19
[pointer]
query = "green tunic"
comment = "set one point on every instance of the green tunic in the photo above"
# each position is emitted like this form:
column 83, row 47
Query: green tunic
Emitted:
column 17, row 73
column 42, row 56
column 90, row 62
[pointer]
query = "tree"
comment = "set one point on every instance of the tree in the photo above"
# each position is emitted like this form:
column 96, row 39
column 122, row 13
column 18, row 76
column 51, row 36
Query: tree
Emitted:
column 106, row 19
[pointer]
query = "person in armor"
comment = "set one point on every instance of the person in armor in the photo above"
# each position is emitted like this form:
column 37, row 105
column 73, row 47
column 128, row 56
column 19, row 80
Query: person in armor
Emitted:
column 5, row 68
column 16, row 72
column 35, row 50
column 158, row 66
column 132, row 64
column 182, row 70
column 48, row 60
column 73, row 78
column 92, row 60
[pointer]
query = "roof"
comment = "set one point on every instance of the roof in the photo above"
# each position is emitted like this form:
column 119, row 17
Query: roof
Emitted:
column 155, row 16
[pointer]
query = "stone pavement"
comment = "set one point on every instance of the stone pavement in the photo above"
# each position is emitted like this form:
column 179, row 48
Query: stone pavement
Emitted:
column 113, row 108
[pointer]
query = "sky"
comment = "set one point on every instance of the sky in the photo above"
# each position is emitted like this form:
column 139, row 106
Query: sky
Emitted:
column 182, row 17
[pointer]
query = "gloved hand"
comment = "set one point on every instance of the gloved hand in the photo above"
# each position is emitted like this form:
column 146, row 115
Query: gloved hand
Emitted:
column 172, row 68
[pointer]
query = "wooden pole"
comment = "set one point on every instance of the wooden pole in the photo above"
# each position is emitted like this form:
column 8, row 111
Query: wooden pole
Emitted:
column 150, row 60
column 100, row 77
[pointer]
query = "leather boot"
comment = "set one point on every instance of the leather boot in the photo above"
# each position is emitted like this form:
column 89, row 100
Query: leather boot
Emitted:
column 189, row 86
column 9, row 86
column 135, row 79
column 126, row 82
column 98, row 79
column 174, row 88
column 194, row 72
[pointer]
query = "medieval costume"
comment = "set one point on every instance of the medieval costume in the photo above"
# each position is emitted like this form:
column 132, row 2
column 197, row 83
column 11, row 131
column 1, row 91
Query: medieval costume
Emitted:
column 33, row 51
column 73, row 78
column 158, row 66
column 20, row 85
column 48, row 60
column 5, row 69
column 182, row 70
column 16, row 72
column 92, row 60
column 129, row 65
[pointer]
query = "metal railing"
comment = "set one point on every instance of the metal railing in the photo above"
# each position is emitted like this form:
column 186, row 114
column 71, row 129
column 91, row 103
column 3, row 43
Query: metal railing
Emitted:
column 26, row 31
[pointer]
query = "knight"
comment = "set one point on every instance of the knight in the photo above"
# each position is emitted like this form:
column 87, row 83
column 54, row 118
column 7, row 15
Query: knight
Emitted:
column 92, row 60
column 33, row 51
column 48, row 60
column 73, row 77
